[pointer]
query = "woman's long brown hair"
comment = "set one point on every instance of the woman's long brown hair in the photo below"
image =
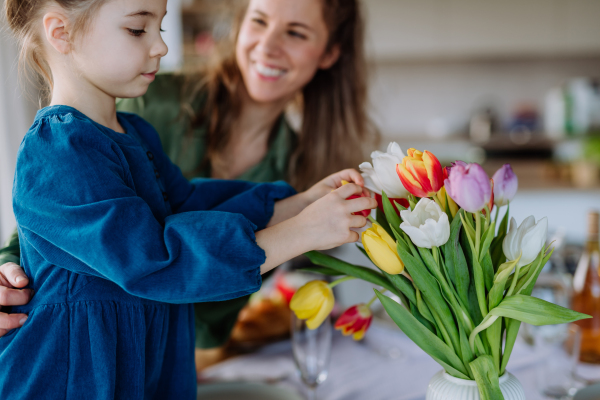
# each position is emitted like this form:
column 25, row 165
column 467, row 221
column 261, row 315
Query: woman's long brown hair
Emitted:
column 336, row 129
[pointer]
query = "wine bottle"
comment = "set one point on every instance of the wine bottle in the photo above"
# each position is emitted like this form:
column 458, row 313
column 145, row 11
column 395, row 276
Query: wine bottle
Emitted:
column 586, row 293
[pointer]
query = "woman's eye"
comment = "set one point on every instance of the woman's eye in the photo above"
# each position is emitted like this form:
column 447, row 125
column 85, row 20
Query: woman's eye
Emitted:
column 136, row 32
column 296, row 34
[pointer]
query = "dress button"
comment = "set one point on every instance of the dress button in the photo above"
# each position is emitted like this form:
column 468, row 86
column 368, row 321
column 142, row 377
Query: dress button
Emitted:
column 165, row 196
column 150, row 155
column 156, row 174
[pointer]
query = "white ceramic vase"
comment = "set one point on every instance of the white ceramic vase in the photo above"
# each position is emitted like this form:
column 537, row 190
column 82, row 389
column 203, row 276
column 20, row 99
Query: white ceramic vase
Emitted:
column 446, row 387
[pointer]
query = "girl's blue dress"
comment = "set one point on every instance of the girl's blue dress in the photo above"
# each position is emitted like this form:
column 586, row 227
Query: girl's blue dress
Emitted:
column 116, row 242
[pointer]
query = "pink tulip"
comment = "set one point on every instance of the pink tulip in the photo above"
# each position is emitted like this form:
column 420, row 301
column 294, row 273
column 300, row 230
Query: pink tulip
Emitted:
column 505, row 185
column 469, row 186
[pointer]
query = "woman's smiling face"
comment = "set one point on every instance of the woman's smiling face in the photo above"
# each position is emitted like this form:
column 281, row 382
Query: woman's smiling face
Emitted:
column 280, row 46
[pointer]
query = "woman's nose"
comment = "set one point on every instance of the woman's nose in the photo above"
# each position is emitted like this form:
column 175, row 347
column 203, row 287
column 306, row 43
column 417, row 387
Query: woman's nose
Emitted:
column 270, row 43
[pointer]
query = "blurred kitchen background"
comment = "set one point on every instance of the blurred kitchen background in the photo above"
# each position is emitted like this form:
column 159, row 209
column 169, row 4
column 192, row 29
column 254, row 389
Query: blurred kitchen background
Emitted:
column 489, row 81
column 494, row 82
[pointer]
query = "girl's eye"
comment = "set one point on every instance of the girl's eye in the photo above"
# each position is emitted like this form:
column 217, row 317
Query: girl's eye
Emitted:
column 136, row 32
column 259, row 21
column 162, row 30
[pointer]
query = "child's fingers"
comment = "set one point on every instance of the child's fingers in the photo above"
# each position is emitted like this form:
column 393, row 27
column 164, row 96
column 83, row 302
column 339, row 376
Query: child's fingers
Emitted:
column 353, row 237
column 14, row 274
column 349, row 190
column 14, row 297
column 361, row 203
column 11, row 321
column 357, row 221
column 351, row 175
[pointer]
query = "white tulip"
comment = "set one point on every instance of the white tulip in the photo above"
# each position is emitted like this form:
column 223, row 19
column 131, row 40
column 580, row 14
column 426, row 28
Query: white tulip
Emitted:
column 527, row 240
column 382, row 176
column 427, row 225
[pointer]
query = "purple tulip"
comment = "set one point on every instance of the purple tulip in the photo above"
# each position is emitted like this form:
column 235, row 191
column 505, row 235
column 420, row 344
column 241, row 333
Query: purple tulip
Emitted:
column 469, row 186
column 505, row 185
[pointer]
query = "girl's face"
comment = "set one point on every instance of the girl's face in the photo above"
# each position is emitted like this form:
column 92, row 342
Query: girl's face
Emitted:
column 280, row 46
column 120, row 53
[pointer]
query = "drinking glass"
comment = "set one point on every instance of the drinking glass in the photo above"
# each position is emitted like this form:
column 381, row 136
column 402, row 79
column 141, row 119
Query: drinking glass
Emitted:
column 311, row 348
column 556, row 374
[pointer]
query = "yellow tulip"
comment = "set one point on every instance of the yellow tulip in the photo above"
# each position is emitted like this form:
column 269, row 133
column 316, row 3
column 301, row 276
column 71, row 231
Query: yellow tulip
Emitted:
column 313, row 302
column 381, row 249
column 442, row 195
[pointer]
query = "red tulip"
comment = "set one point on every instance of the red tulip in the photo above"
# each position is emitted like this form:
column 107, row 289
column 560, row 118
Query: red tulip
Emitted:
column 355, row 321
column 364, row 213
column 421, row 173
column 403, row 202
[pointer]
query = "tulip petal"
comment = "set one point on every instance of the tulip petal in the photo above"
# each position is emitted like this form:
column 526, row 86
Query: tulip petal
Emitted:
column 380, row 253
column 324, row 311
column 409, row 182
column 435, row 174
column 419, row 171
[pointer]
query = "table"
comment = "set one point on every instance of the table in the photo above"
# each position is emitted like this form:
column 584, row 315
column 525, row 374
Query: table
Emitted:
column 386, row 365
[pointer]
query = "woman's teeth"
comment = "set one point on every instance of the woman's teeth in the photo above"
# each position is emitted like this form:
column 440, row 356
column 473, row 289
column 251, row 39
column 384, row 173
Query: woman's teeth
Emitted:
column 268, row 71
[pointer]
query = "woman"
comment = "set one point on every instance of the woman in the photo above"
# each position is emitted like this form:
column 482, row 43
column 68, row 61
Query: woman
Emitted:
column 227, row 120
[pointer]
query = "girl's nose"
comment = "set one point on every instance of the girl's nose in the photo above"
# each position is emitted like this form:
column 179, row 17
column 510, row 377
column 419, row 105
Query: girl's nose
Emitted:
column 159, row 48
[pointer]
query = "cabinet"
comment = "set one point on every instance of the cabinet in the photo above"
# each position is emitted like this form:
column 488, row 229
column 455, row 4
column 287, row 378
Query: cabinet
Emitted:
column 400, row 30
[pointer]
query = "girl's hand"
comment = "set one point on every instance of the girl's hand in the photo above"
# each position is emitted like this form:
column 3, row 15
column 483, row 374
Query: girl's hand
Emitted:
column 332, row 182
column 12, row 277
column 327, row 222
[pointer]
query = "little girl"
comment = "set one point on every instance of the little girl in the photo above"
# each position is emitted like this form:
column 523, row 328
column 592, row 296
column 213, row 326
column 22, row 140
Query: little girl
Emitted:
column 116, row 241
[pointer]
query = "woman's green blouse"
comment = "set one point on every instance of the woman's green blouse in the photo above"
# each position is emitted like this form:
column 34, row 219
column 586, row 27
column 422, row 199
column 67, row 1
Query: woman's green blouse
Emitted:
column 186, row 146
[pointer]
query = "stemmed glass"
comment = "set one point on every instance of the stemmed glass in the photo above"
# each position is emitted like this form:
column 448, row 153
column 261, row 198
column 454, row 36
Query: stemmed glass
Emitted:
column 311, row 349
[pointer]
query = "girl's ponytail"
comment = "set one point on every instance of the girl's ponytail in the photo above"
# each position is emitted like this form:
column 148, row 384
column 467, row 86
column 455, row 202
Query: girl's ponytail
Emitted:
column 22, row 17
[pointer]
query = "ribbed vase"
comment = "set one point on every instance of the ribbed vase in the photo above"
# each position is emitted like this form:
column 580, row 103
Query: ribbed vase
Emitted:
column 446, row 387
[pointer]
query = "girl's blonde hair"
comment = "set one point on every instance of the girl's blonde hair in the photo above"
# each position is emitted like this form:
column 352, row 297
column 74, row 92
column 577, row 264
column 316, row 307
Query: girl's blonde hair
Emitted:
column 335, row 125
column 24, row 15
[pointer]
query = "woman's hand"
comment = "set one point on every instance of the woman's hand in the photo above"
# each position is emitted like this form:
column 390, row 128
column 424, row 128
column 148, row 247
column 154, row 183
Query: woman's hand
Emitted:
column 12, row 277
column 324, row 224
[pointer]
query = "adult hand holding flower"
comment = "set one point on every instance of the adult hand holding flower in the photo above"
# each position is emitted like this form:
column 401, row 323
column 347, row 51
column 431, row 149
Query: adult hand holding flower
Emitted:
column 427, row 225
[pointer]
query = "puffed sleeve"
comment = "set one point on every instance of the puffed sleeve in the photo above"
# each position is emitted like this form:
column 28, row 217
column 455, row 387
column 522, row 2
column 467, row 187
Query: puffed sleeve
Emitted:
column 255, row 201
column 75, row 204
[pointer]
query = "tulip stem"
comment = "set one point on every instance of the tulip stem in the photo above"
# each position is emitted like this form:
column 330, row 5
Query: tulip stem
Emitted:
column 375, row 297
column 477, row 231
column 338, row 281
column 372, row 219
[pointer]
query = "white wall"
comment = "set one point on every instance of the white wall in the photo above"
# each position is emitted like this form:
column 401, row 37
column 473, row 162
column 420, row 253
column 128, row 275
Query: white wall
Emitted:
column 16, row 115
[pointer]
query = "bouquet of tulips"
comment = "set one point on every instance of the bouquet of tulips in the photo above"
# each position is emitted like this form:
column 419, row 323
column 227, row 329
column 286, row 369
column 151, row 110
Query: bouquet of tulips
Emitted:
column 463, row 277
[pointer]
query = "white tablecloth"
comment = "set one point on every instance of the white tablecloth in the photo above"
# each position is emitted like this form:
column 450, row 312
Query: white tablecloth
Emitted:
column 363, row 370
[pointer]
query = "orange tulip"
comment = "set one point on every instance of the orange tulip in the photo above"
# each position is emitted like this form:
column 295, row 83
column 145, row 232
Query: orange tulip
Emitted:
column 355, row 321
column 421, row 173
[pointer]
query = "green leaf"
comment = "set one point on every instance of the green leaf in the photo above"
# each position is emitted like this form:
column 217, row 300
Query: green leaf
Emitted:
column 488, row 236
column 457, row 267
column 366, row 274
column 380, row 218
column 494, row 338
column 415, row 312
column 321, row 270
column 392, row 218
column 423, row 337
column 496, row 250
column 488, row 271
column 534, row 311
column 402, row 283
column 429, row 287
column 512, row 330
column 487, row 379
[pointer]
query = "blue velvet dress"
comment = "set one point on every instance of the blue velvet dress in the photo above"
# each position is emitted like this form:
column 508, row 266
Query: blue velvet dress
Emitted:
column 116, row 243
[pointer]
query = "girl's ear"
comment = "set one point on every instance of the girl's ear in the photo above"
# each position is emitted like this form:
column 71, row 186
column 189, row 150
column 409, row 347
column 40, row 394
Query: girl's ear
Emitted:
column 55, row 29
column 330, row 57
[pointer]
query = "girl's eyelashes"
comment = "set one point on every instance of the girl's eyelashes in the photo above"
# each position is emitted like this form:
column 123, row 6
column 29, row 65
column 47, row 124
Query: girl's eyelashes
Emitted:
column 136, row 32
column 162, row 30
column 259, row 21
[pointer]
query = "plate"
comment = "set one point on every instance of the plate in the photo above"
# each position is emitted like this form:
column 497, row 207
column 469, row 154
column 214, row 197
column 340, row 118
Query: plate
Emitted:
column 244, row 391
column 589, row 393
